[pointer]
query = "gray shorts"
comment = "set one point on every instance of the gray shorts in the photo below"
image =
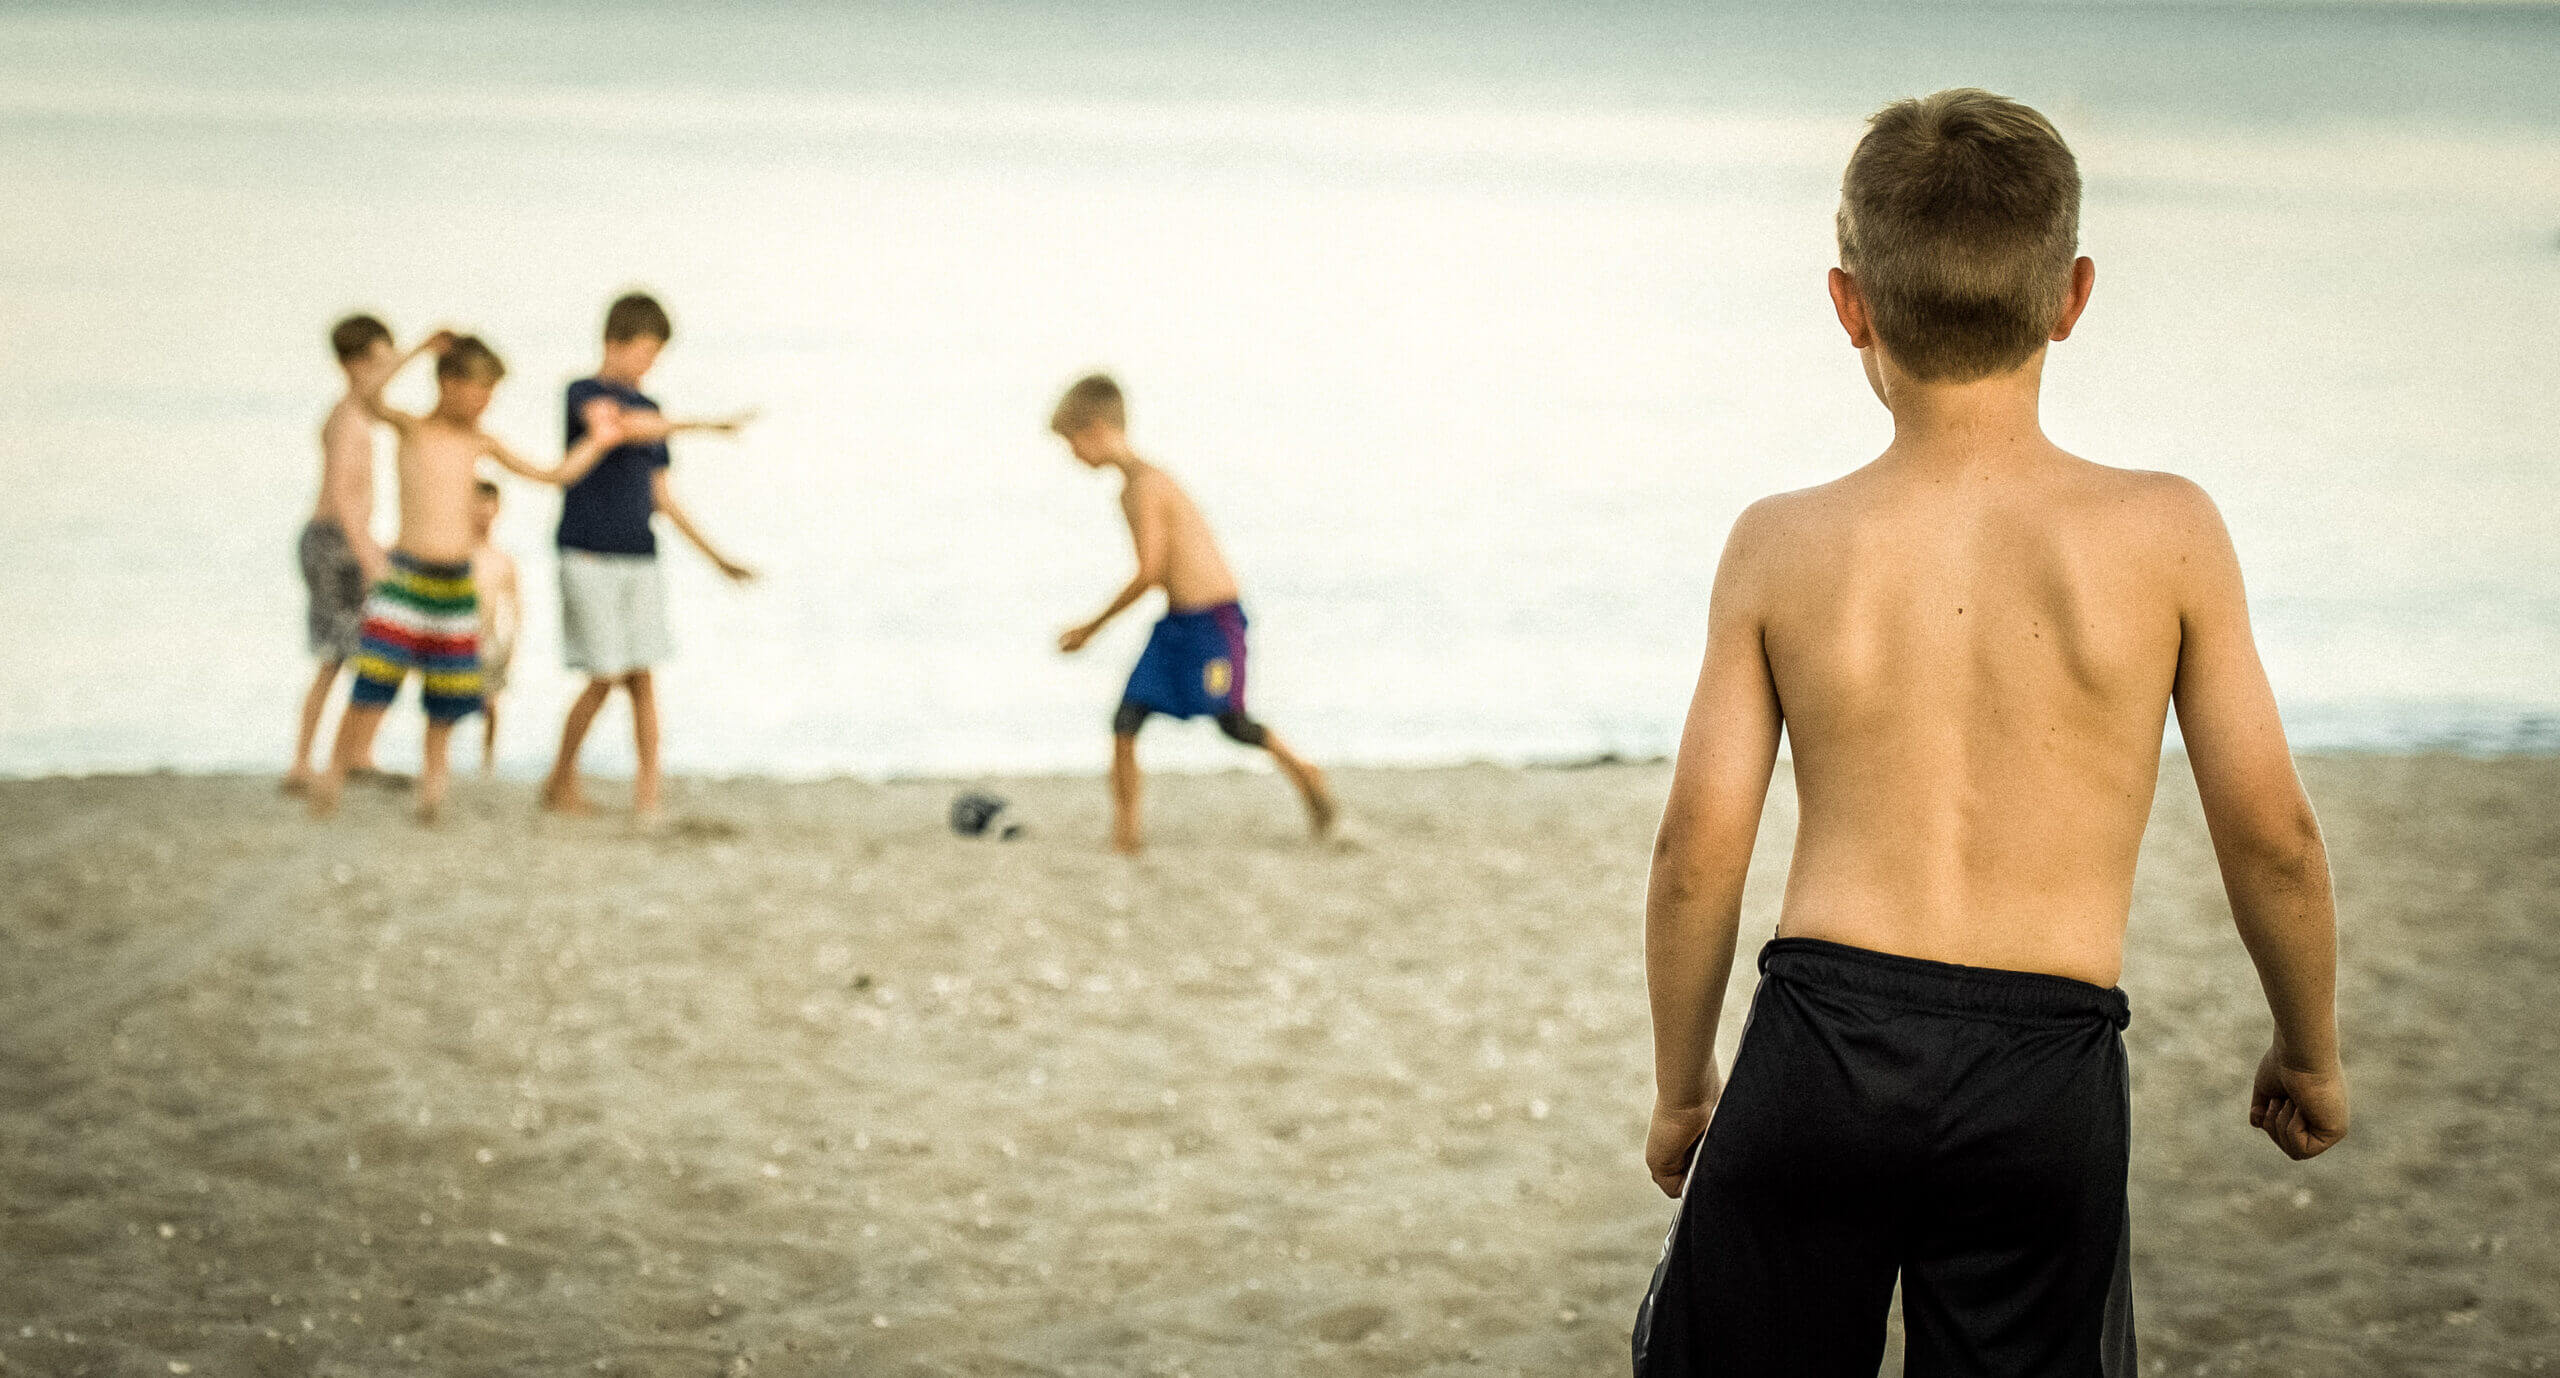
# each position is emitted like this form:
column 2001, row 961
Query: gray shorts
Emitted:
column 336, row 585
column 613, row 613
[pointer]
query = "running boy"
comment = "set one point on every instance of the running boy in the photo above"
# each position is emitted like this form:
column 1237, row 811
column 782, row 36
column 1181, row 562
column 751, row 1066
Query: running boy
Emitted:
column 424, row 614
column 339, row 557
column 493, row 574
column 1194, row 661
column 613, row 598
column 1971, row 644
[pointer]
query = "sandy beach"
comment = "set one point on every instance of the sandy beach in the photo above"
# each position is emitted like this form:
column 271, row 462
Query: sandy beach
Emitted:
column 805, row 1084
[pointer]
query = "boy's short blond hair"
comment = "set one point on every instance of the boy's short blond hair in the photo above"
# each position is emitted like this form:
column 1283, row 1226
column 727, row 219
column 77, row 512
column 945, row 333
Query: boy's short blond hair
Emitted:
column 470, row 359
column 1959, row 219
column 1092, row 398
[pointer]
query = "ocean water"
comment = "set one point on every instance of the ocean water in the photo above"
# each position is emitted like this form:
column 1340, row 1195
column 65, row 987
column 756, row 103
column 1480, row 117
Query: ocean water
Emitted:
column 1471, row 330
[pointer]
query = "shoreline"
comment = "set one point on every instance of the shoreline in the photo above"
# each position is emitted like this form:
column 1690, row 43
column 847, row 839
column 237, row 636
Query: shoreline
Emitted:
column 2170, row 757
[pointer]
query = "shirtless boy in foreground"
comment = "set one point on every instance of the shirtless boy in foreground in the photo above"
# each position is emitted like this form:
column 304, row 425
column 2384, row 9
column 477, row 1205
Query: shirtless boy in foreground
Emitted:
column 424, row 615
column 1194, row 661
column 337, row 551
column 1972, row 644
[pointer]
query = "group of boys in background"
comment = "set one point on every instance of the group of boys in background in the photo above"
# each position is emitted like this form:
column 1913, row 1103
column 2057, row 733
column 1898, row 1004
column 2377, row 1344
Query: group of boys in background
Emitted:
column 445, row 601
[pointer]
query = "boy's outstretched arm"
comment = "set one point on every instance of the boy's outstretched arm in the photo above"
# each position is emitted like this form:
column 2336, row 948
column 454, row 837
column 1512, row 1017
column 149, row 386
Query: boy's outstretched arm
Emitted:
column 1693, row 903
column 572, row 466
column 643, row 426
column 371, row 397
column 2274, row 865
column 664, row 494
column 1153, row 539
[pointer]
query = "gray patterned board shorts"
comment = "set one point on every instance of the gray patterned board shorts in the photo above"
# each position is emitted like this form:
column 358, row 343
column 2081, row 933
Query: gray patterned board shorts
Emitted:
column 336, row 585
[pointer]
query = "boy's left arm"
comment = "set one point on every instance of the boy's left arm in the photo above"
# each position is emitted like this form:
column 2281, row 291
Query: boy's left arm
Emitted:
column 507, row 614
column 663, row 493
column 1149, row 534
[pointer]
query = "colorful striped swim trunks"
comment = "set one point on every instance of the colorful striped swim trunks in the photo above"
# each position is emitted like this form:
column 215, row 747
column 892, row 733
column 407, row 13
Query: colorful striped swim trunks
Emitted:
column 423, row 617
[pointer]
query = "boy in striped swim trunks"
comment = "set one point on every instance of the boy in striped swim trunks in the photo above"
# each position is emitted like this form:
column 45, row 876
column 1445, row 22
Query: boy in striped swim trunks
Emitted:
column 424, row 616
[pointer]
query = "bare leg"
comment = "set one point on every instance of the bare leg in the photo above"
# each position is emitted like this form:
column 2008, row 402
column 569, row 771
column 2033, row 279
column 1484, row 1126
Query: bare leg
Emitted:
column 437, row 772
column 488, row 738
column 315, row 701
column 560, row 793
column 356, row 727
column 1310, row 783
column 1124, row 795
column 644, row 742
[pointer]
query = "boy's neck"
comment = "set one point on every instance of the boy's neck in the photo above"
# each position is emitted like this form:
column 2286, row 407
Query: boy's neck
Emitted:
column 629, row 378
column 1965, row 423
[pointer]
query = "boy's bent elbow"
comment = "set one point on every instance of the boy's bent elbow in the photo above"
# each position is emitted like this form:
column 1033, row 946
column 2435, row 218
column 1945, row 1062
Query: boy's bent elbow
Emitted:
column 2283, row 852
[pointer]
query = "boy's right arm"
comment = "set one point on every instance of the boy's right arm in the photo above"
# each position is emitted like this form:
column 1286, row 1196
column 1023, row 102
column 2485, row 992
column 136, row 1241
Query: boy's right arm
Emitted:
column 2274, row 865
column 1693, row 901
column 350, row 463
column 371, row 397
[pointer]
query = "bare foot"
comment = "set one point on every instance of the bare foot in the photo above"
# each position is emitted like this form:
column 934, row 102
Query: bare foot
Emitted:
column 1127, row 844
column 1321, row 810
column 323, row 796
column 378, row 778
column 566, row 799
column 430, row 812
column 296, row 782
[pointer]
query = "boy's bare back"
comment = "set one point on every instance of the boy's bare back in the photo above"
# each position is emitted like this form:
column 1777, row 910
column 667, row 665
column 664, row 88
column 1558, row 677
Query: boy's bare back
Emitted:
column 1975, row 655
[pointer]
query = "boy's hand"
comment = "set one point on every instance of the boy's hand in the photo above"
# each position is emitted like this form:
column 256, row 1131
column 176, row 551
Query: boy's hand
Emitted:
column 2304, row 1112
column 1072, row 639
column 1668, row 1144
column 737, row 573
column 730, row 424
column 440, row 342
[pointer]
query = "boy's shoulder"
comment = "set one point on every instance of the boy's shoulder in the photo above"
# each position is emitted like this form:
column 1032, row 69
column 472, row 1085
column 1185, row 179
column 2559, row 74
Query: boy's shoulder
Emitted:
column 2072, row 482
column 1147, row 479
column 2142, row 511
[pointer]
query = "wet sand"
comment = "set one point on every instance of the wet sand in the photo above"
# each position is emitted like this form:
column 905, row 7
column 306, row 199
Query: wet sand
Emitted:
column 807, row 1085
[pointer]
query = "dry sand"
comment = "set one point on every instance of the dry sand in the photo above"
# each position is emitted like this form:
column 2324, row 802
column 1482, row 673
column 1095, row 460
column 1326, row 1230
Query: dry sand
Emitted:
column 807, row 1085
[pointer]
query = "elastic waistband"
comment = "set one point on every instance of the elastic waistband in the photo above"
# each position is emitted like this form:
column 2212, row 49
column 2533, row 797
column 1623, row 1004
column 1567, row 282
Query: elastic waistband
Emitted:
column 1210, row 613
column 1989, row 992
column 401, row 559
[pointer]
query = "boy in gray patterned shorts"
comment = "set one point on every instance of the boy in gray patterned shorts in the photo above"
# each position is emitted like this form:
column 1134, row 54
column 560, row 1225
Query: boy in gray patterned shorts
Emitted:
column 339, row 557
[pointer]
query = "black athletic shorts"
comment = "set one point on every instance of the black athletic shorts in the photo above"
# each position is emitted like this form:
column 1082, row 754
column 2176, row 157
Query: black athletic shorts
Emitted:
column 1962, row 1128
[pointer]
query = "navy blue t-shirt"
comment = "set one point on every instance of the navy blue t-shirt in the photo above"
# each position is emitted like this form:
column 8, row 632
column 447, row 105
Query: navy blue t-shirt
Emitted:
column 608, row 511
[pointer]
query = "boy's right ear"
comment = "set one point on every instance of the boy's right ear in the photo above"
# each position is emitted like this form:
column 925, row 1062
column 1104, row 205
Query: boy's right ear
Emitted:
column 1851, row 306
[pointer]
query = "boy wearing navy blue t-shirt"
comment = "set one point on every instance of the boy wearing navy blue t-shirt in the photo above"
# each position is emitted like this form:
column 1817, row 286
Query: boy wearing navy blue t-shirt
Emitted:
column 613, row 603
